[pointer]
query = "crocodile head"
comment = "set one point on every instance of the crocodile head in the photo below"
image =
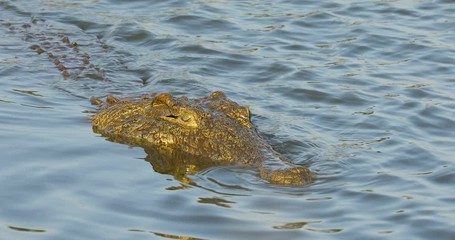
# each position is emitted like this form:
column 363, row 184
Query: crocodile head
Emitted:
column 212, row 126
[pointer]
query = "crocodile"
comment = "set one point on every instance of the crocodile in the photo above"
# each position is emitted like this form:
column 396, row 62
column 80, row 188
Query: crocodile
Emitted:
column 181, row 136
column 184, row 136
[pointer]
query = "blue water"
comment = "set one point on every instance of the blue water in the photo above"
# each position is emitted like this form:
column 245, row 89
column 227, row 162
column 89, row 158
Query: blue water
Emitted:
column 361, row 92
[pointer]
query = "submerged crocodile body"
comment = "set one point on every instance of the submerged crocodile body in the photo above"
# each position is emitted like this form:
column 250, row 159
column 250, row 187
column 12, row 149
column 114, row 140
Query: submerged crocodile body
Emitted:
column 45, row 39
column 183, row 136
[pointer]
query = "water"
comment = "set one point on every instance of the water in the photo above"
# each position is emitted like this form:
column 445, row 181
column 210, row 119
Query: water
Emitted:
column 359, row 91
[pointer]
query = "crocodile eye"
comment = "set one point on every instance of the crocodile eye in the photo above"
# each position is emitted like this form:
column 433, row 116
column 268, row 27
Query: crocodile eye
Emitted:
column 186, row 118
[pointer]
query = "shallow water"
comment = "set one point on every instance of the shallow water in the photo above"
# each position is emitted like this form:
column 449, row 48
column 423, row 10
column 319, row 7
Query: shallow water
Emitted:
column 360, row 92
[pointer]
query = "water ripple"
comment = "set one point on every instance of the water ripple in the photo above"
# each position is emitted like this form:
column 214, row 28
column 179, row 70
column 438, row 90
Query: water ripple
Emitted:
column 360, row 92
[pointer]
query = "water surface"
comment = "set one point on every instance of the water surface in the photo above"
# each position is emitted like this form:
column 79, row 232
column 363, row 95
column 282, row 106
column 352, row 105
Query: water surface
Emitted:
column 361, row 92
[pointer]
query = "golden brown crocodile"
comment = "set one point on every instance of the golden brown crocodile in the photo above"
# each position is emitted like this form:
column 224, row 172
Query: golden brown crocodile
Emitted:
column 183, row 136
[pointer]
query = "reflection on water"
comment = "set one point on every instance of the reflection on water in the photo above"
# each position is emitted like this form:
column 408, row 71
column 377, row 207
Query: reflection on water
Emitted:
column 176, row 163
column 362, row 92
column 307, row 226
column 217, row 201
column 164, row 235
column 21, row 229
column 30, row 92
